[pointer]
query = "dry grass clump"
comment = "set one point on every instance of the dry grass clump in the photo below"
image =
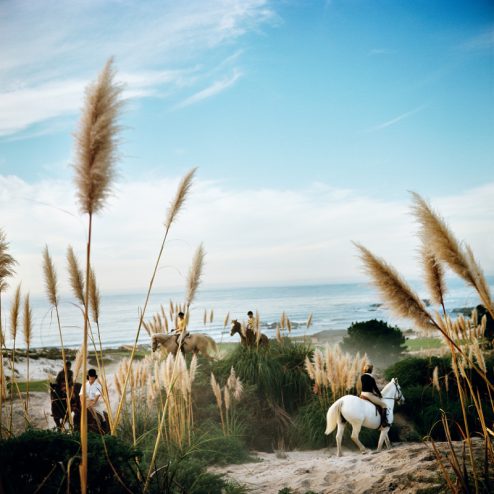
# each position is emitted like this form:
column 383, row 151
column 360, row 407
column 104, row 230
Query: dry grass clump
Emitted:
column 333, row 371
column 158, row 323
column 225, row 399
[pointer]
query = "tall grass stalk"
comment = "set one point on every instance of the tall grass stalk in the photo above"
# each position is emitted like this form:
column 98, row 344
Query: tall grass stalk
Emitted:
column 226, row 398
column 176, row 381
column 27, row 340
column 7, row 264
column 14, row 322
column 96, row 152
column 51, row 283
column 174, row 209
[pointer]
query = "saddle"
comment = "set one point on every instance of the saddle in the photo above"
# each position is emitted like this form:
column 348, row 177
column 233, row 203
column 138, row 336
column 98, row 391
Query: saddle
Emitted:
column 379, row 409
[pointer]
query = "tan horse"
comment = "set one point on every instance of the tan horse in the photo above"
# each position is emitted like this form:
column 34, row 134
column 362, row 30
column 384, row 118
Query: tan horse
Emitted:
column 194, row 343
column 249, row 338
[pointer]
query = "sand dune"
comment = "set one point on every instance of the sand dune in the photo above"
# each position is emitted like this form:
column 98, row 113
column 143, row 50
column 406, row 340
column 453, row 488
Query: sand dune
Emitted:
column 405, row 468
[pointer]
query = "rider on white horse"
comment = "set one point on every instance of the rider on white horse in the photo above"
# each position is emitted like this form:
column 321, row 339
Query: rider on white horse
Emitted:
column 371, row 392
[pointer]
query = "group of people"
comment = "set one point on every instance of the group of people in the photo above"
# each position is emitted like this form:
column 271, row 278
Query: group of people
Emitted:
column 93, row 390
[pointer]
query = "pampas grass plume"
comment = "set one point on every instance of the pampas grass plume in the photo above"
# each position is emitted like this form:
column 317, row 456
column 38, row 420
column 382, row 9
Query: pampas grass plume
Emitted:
column 14, row 312
column 434, row 276
column 76, row 277
column 309, row 321
column 7, row 262
column 96, row 141
column 195, row 273
column 28, row 319
column 180, row 197
column 398, row 294
column 50, row 278
column 94, row 296
column 436, row 234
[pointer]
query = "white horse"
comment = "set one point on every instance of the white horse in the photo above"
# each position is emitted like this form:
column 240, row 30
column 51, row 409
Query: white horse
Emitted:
column 360, row 413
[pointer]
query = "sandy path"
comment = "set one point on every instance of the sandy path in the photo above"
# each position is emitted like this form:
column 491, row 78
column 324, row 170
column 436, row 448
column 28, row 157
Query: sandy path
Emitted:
column 406, row 468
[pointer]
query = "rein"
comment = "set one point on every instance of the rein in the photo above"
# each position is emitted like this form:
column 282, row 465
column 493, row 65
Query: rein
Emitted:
column 394, row 398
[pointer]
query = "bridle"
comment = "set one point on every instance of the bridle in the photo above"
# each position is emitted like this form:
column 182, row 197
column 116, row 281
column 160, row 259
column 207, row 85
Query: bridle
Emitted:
column 395, row 398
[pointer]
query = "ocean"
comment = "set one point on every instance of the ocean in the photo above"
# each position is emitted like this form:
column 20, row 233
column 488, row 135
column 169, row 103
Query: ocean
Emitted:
column 333, row 307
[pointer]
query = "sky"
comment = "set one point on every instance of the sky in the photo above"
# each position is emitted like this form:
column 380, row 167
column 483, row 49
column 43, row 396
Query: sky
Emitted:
column 309, row 122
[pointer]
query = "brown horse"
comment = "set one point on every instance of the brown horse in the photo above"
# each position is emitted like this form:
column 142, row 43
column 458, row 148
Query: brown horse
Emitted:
column 249, row 338
column 193, row 343
column 59, row 410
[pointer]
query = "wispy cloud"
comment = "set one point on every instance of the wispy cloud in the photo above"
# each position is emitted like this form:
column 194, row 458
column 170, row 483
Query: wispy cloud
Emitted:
column 212, row 90
column 482, row 41
column 397, row 119
column 290, row 223
column 51, row 50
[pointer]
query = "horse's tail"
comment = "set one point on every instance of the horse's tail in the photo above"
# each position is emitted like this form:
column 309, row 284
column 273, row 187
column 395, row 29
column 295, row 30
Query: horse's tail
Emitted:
column 334, row 413
column 212, row 343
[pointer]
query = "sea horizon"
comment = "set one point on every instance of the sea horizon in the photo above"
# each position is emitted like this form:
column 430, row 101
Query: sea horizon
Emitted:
column 334, row 306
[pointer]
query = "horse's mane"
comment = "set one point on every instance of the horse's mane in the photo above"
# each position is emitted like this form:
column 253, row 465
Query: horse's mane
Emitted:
column 388, row 386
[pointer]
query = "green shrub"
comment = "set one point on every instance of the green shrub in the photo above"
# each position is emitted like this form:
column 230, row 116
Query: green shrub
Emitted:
column 276, row 385
column 52, row 459
column 383, row 343
column 423, row 403
column 309, row 426
column 417, row 371
column 277, row 371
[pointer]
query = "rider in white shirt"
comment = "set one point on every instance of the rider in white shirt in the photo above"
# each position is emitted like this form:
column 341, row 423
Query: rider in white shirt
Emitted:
column 94, row 398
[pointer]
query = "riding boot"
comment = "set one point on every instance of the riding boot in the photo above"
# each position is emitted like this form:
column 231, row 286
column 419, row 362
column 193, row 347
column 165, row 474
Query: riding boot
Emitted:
column 384, row 418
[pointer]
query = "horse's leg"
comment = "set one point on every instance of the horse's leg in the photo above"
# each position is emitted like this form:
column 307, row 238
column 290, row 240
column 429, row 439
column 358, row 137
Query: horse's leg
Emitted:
column 339, row 437
column 382, row 438
column 387, row 441
column 355, row 432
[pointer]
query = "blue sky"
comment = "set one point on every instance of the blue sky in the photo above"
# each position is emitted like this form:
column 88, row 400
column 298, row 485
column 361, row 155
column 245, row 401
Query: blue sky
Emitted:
column 336, row 108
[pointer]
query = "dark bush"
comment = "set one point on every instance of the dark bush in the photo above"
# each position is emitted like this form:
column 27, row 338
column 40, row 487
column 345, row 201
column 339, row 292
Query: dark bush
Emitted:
column 423, row 403
column 51, row 459
column 417, row 371
column 383, row 343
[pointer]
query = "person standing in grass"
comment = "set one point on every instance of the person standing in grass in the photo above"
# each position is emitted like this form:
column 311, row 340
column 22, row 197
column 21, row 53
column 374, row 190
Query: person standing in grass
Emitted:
column 371, row 392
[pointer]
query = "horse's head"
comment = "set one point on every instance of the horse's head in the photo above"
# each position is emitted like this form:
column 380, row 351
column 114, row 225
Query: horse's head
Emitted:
column 235, row 327
column 399, row 398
